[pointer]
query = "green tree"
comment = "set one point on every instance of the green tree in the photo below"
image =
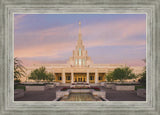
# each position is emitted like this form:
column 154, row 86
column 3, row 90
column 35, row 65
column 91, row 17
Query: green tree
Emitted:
column 109, row 77
column 142, row 80
column 41, row 74
column 50, row 76
column 121, row 74
column 19, row 69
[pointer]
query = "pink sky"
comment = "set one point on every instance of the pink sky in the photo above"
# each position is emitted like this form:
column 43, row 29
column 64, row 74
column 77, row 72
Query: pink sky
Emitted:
column 121, row 40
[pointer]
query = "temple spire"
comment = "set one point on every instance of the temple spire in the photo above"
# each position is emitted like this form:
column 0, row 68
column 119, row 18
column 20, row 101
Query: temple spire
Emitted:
column 80, row 35
column 79, row 27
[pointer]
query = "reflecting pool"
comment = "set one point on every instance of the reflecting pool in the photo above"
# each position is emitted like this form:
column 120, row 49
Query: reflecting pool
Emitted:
column 80, row 97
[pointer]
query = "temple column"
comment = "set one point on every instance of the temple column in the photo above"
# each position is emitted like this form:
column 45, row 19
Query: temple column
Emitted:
column 72, row 77
column 63, row 76
column 87, row 76
column 96, row 76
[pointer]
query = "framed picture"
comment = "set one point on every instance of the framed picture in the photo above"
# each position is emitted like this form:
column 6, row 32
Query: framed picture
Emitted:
column 80, row 57
column 95, row 71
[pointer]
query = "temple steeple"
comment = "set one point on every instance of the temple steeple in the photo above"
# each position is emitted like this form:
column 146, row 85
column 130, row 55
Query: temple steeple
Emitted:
column 80, row 34
column 79, row 27
column 80, row 57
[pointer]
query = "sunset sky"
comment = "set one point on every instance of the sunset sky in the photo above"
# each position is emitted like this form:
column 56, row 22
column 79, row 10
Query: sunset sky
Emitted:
column 108, row 38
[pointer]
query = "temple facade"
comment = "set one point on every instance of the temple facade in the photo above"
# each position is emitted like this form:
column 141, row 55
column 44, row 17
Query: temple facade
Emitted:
column 79, row 67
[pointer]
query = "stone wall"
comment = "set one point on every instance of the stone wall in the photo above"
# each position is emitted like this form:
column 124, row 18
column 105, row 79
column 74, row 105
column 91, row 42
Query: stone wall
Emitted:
column 110, row 85
column 61, row 94
column 50, row 86
column 73, row 86
column 80, row 90
column 103, row 84
column 101, row 93
column 124, row 87
column 35, row 88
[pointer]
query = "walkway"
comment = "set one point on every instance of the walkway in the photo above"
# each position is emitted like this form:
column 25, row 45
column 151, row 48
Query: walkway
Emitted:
column 50, row 94
column 47, row 95
column 113, row 95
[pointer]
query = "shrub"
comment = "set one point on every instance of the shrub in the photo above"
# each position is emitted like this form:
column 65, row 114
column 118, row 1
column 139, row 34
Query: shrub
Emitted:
column 17, row 81
column 20, row 87
column 142, row 80
column 96, row 88
column 139, row 87
column 80, row 87
column 64, row 89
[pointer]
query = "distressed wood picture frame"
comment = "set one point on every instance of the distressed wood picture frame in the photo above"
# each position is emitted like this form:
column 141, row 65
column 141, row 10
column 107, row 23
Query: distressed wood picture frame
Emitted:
column 10, row 7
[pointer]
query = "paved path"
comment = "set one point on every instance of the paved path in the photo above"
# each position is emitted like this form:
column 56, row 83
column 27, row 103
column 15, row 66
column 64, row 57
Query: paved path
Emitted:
column 47, row 95
column 50, row 94
column 113, row 95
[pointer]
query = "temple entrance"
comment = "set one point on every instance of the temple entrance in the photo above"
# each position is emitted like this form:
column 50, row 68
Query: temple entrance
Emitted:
column 80, row 77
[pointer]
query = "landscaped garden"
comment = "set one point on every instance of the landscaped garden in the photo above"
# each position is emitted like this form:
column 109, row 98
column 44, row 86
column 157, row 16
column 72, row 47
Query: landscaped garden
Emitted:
column 80, row 87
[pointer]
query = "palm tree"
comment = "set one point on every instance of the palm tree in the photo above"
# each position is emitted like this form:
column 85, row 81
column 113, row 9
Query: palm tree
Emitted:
column 19, row 69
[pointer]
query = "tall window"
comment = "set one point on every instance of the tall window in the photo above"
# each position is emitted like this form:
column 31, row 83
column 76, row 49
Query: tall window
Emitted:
column 68, row 77
column 59, row 78
column 83, row 61
column 100, row 77
column 91, row 77
column 79, row 51
column 76, row 61
column 79, row 61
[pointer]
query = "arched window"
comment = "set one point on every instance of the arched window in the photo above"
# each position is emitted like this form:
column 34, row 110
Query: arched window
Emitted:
column 79, row 51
